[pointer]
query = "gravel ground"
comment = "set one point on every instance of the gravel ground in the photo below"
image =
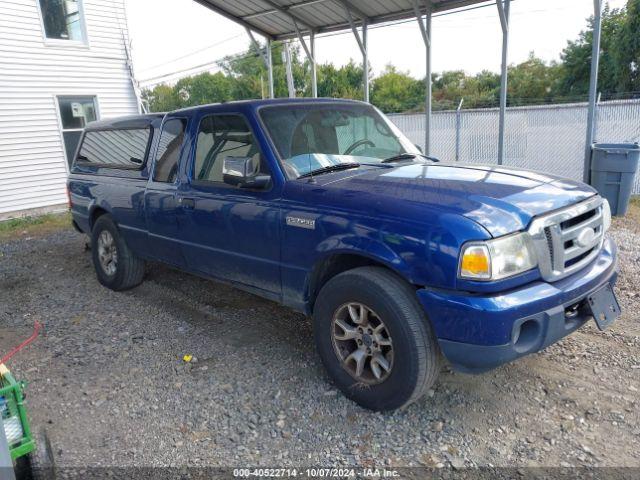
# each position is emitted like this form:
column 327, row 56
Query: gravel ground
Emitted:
column 108, row 382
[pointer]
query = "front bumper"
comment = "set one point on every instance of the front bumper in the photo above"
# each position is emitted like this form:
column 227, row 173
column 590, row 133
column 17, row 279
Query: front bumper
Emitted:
column 479, row 332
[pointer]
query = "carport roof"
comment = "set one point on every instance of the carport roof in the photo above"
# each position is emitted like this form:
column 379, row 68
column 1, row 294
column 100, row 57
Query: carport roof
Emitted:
column 279, row 19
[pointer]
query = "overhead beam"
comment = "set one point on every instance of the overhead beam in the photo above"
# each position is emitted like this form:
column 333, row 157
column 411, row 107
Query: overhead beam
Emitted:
column 593, row 88
column 236, row 19
column 288, row 7
column 356, row 11
column 287, row 12
column 273, row 7
column 504, row 7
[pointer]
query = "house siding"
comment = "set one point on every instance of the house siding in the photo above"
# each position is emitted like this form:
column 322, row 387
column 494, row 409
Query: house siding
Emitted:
column 33, row 73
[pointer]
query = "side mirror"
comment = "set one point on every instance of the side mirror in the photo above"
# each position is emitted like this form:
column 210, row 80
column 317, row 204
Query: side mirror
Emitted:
column 419, row 148
column 243, row 172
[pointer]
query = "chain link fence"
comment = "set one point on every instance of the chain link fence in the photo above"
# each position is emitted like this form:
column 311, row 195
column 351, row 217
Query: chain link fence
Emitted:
column 549, row 138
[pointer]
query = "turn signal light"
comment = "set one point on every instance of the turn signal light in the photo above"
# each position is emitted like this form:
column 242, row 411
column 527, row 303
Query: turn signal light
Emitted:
column 475, row 262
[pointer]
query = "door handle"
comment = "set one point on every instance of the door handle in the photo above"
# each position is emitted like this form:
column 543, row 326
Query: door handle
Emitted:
column 187, row 203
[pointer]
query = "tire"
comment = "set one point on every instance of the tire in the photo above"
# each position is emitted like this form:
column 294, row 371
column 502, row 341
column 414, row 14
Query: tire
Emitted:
column 125, row 270
column 412, row 354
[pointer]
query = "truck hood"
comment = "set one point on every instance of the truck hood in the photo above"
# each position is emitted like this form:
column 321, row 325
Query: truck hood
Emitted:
column 501, row 199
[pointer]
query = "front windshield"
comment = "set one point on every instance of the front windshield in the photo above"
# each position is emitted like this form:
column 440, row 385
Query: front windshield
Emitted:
column 311, row 136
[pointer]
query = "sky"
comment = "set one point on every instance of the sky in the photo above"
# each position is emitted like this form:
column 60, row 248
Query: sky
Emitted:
column 170, row 36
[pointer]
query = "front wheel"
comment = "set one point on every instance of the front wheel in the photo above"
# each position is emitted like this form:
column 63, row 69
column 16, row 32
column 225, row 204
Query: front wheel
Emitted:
column 374, row 338
column 116, row 266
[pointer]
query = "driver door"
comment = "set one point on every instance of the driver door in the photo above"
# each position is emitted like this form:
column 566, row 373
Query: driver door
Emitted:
column 230, row 233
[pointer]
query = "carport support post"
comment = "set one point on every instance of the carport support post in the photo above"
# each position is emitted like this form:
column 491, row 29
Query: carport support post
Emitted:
column 365, row 59
column 314, row 71
column 270, row 69
column 310, row 51
column 425, row 30
column 362, row 43
column 503, row 12
column 266, row 57
column 458, row 125
column 286, row 53
column 593, row 88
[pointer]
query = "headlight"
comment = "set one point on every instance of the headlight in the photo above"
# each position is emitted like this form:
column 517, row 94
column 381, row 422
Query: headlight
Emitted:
column 606, row 214
column 498, row 258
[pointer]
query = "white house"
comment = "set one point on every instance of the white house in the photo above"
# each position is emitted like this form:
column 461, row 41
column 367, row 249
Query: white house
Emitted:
column 63, row 63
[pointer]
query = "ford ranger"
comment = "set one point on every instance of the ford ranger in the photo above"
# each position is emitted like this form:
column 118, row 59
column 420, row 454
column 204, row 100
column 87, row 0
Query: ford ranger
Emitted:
column 326, row 207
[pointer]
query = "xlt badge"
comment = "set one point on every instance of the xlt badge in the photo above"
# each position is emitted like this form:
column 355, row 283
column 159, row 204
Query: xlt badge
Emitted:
column 301, row 222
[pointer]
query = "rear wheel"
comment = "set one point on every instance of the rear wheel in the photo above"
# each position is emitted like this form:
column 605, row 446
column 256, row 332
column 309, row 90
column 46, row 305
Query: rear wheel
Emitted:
column 116, row 266
column 374, row 338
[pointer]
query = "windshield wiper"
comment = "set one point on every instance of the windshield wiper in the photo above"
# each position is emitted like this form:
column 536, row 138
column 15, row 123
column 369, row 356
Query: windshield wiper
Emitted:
column 330, row 168
column 407, row 156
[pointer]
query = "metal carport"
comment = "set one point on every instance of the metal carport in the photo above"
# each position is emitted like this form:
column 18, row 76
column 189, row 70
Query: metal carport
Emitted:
column 287, row 19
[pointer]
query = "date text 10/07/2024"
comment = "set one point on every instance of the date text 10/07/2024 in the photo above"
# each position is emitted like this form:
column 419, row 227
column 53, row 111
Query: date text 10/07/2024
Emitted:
column 315, row 473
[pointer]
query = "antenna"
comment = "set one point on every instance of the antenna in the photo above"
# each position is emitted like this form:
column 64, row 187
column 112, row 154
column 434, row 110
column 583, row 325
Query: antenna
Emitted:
column 311, row 178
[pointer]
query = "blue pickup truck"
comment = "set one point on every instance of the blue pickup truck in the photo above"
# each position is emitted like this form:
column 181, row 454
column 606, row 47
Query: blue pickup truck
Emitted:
column 324, row 206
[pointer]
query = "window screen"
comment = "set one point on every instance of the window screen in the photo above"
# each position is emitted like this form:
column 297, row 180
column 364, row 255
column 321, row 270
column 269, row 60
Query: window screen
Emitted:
column 169, row 150
column 221, row 136
column 115, row 148
column 62, row 19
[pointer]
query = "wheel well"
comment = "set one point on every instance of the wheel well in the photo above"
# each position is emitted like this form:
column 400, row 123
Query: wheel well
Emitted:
column 95, row 214
column 335, row 265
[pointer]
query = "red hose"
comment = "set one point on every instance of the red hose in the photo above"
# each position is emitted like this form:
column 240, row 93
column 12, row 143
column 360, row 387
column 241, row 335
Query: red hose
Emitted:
column 36, row 329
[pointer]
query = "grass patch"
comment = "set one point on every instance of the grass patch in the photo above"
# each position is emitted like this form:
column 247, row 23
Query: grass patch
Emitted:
column 634, row 209
column 31, row 226
column 631, row 220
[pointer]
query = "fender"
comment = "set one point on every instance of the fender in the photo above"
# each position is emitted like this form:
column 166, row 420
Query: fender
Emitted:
column 98, row 204
column 355, row 251
column 366, row 247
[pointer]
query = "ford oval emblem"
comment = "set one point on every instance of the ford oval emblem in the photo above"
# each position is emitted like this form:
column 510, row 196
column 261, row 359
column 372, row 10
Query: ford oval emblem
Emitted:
column 585, row 237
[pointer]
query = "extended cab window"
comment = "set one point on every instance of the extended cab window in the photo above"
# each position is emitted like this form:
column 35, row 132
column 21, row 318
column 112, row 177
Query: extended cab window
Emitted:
column 125, row 148
column 169, row 150
column 221, row 136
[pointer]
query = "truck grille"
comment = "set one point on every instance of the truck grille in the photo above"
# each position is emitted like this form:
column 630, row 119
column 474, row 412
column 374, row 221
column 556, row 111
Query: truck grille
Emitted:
column 569, row 239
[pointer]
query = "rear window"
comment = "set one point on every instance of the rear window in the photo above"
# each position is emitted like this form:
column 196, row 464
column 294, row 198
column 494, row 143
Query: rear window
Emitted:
column 125, row 148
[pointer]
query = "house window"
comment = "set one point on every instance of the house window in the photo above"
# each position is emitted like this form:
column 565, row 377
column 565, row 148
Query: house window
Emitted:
column 62, row 19
column 75, row 113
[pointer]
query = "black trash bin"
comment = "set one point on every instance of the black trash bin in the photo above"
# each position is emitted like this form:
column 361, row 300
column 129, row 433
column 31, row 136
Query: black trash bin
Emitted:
column 613, row 168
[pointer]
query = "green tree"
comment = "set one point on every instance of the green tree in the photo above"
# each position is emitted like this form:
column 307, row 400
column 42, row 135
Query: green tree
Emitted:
column 533, row 81
column 250, row 75
column 576, row 57
column 162, row 98
column 340, row 82
column 627, row 54
column 204, row 88
column 480, row 90
column 395, row 91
